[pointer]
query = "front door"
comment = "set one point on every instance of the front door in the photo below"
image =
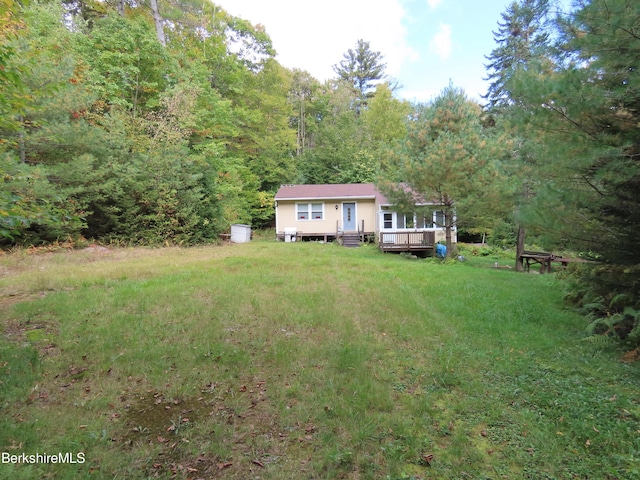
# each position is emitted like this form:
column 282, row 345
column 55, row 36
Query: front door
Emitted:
column 349, row 217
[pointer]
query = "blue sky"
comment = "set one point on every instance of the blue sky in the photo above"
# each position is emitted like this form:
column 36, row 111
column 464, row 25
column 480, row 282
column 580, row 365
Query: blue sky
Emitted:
column 426, row 43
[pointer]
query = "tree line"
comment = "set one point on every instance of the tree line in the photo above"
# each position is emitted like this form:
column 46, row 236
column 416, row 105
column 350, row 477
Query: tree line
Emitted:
column 165, row 122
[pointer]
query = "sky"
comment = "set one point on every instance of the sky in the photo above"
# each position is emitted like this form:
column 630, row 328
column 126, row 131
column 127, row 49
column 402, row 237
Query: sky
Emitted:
column 426, row 44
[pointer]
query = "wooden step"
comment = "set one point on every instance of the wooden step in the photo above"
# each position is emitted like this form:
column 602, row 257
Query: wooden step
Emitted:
column 350, row 240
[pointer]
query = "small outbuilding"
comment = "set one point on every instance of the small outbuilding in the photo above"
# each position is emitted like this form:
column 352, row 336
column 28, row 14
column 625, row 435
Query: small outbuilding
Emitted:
column 240, row 233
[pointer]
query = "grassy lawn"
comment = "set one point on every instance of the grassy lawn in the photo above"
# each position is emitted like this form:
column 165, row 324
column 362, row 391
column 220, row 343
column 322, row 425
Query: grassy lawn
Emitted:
column 288, row 361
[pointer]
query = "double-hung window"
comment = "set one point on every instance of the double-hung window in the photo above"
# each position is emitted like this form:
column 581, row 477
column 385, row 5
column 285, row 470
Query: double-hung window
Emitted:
column 310, row 211
column 388, row 220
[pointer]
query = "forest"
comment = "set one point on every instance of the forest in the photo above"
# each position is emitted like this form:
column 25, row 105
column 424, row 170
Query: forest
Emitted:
column 163, row 122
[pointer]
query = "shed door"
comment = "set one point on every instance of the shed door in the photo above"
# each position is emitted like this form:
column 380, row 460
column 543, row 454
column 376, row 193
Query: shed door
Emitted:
column 349, row 217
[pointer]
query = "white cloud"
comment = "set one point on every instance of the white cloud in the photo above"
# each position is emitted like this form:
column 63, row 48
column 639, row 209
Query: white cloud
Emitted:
column 434, row 3
column 441, row 43
column 313, row 36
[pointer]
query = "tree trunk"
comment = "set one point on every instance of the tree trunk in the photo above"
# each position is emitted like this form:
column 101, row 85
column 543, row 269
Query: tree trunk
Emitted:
column 301, row 129
column 21, row 141
column 526, row 193
column 158, row 20
column 448, row 226
column 520, row 249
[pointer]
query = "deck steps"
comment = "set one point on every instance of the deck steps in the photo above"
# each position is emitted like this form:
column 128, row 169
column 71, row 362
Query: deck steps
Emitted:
column 350, row 240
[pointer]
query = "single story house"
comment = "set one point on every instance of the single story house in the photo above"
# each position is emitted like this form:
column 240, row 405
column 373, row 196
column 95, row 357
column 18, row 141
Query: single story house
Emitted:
column 352, row 213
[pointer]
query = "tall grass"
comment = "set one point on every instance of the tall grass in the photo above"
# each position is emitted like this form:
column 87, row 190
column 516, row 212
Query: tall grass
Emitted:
column 304, row 360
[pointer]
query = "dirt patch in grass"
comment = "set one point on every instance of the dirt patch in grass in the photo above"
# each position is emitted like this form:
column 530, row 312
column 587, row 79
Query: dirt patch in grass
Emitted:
column 38, row 333
column 632, row 356
column 229, row 430
column 152, row 416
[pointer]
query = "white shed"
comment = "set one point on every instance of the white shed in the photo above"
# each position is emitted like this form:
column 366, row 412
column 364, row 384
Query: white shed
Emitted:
column 240, row 233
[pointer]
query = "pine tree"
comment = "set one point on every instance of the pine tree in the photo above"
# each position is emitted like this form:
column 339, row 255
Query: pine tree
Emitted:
column 448, row 158
column 585, row 116
column 522, row 39
column 361, row 68
column 523, row 45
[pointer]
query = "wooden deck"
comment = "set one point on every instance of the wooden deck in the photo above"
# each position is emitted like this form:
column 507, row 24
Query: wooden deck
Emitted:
column 406, row 241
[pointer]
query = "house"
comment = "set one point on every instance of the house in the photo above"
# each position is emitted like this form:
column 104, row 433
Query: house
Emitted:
column 352, row 213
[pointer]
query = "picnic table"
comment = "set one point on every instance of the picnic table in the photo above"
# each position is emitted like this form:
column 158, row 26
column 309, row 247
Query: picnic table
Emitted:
column 544, row 259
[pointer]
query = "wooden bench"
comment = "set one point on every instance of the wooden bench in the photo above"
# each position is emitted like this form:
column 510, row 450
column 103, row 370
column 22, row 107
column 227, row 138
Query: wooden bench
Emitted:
column 543, row 258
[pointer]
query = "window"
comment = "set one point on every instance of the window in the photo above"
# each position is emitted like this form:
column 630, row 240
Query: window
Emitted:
column 303, row 211
column 433, row 219
column 409, row 221
column 424, row 222
column 316, row 211
column 310, row 211
column 388, row 220
column 405, row 221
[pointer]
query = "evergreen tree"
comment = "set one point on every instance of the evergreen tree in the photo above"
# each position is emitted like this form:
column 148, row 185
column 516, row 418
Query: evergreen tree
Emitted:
column 360, row 68
column 447, row 158
column 522, row 45
column 585, row 114
column 522, row 38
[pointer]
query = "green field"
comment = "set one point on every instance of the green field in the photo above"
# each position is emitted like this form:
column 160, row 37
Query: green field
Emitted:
column 293, row 361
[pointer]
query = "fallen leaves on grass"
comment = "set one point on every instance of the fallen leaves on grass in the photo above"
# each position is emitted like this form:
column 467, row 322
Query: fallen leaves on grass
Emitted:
column 426, row 459
column 631, row 356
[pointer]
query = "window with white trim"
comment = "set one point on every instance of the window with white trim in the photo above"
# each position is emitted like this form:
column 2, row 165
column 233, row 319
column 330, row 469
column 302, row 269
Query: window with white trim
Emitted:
column 424, row 221
column 409, row 221
column 405, row 221
column 310, row 211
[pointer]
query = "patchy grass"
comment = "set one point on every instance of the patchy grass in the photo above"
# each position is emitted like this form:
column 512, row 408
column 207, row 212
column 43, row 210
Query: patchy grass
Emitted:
column 272, row 360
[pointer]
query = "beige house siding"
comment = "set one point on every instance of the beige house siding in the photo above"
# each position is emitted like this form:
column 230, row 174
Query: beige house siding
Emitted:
column 366, row 209
column 441, row 235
